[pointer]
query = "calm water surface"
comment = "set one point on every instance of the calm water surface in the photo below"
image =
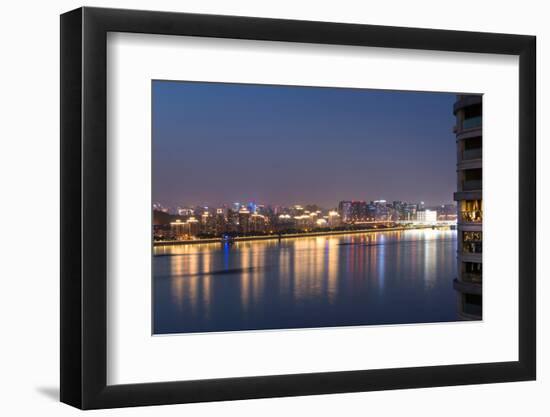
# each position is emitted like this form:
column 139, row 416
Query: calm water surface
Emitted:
column 357, row 279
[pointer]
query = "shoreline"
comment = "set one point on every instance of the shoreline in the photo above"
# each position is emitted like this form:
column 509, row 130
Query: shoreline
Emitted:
column 295, row 235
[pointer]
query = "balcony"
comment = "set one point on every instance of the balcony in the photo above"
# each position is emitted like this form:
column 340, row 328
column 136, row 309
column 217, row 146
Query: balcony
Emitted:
column 469, row 154
column 467, row 287
column 471, row 216
column 471, row 278
column 472, row 123
column 471, row 185
column 466, row 100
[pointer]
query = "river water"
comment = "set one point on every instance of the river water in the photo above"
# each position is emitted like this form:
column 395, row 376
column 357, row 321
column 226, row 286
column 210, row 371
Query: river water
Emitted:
column 342, row 280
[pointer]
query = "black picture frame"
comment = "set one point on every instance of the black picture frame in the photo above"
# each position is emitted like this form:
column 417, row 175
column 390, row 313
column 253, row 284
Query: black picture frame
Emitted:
column 84, row 207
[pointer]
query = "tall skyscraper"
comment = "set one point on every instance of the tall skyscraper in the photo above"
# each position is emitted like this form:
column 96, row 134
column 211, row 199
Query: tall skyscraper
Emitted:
column 220, row 221
column 468, row 129
column 194, row 226
column 257, row 223
column 381, row 210
column 344, row 209
column 178, row 229
column 244, row 220
column 358, row 211
column 185, row 230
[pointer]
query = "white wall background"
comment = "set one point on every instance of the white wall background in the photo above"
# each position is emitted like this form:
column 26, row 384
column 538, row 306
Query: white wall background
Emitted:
column 29, row 176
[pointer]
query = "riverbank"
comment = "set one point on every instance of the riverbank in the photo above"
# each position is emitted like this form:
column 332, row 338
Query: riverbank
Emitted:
column 297, row 235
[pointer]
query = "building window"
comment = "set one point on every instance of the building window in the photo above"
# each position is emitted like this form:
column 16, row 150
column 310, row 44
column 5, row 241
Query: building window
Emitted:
column 472, row 272
column 471, row 242
column 471, row 148
column 471, row 179
column 472, row 117
column 471, row 211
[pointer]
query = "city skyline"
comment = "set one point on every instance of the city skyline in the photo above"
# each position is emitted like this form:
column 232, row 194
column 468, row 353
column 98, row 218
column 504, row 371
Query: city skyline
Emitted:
column 158, row 205
column 252, row 220
column 216, row 143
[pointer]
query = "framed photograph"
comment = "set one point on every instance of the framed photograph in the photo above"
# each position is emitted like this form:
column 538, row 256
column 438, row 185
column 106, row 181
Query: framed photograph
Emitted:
column 258, row 208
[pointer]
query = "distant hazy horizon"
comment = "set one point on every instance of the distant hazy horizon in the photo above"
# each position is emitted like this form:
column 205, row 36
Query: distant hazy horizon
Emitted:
column 219, row 143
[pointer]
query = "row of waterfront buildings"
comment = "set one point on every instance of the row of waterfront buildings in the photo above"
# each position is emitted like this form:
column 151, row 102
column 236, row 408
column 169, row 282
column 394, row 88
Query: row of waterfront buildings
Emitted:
column 381, row 210
column 256, row 219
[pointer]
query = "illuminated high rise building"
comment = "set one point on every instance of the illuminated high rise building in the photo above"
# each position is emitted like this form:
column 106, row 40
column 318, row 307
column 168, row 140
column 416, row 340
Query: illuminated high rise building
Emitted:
column 179, row 229
column 285, row 222
column 208, row 223
column 244, row 220
column 426, row 216
column 252, row 206
column 194, row 226
column 468, row 129
column 344, row 209
column 333, row 219
column 382, row 211
column 185, row 230
column 358, row 211
column 409, row 212
column 220, row 221
column 257, row 223
column 303, row 222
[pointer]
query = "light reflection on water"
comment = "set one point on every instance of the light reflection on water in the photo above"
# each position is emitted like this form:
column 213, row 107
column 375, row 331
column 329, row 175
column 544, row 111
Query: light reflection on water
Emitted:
column 342, row 280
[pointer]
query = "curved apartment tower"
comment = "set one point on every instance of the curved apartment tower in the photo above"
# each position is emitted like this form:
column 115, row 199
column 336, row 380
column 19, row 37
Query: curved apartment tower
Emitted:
column 468, row 130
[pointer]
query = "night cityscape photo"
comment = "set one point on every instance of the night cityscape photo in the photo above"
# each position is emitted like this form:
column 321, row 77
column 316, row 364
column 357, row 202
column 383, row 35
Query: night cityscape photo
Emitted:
column 284, row 207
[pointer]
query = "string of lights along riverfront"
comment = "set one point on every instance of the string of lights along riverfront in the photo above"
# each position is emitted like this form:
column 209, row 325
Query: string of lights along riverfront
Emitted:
column 257, row 221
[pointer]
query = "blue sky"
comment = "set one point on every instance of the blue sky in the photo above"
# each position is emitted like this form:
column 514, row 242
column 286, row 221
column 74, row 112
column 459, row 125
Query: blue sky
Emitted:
column 216, row 143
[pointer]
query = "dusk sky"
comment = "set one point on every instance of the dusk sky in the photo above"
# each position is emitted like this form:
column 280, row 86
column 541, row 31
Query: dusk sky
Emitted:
column 216, row 143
